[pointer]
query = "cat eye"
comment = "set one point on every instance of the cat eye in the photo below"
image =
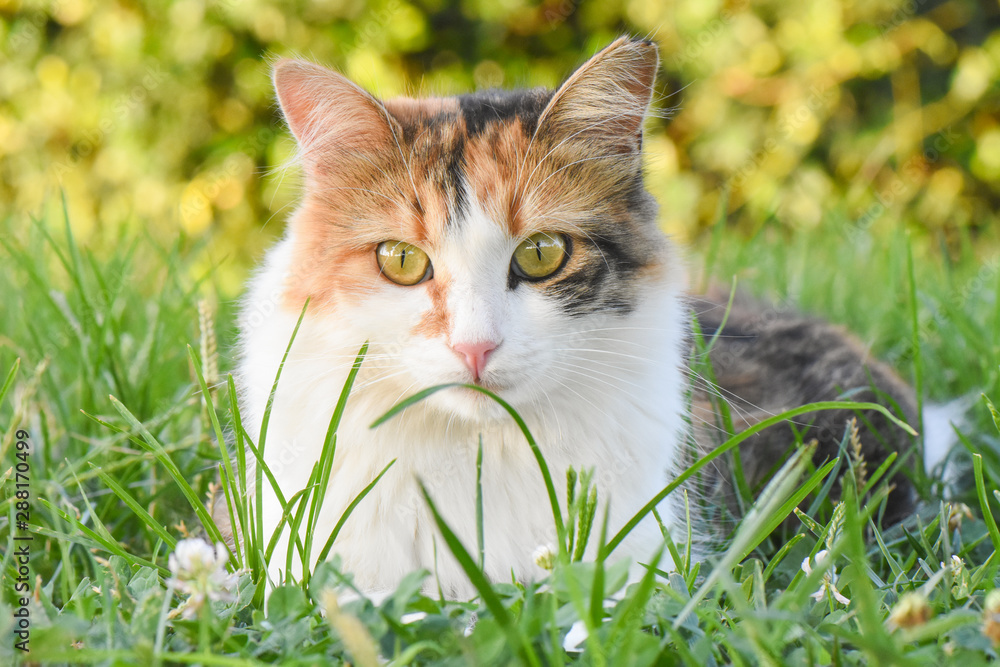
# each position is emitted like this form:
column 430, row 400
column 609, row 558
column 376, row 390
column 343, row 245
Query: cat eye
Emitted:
column 403, row 263
column 539, row 256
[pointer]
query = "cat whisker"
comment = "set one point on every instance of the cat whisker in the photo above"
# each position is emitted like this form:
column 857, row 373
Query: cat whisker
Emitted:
column 734, row 404
column 603, row 364
column 555, row 413
column 616, row 353
column 592, row 374
column 596, row 329
column 616, row 342
column 583, row 398
column 275, row 213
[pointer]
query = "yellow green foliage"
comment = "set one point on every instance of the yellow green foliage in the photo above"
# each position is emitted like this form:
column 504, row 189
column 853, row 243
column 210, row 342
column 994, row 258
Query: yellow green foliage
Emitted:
column 864, row 114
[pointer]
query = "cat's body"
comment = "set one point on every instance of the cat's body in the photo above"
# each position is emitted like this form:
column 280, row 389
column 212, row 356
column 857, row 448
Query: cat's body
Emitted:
column 412, row 235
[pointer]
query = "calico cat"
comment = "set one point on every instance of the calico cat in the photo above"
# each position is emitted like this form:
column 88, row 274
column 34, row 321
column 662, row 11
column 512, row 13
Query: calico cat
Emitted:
column 504, row 239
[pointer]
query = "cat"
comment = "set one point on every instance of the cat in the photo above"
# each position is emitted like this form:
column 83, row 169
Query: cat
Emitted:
column 506, row 239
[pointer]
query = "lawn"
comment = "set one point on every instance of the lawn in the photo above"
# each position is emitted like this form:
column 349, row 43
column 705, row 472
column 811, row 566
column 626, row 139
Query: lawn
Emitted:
column 106, row 386
column 838, row 158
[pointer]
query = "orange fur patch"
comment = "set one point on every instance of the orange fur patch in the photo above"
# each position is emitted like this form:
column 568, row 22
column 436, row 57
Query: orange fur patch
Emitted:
column 492, row 162
column 410, row 110
column 436, row 322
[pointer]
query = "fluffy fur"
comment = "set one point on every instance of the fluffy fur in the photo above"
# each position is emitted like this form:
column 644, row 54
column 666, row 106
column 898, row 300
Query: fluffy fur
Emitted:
column 598, row 346
column 594, row 357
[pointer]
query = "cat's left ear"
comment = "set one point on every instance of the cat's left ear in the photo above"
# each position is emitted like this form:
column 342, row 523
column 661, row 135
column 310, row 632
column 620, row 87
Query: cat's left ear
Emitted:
column 605, row 101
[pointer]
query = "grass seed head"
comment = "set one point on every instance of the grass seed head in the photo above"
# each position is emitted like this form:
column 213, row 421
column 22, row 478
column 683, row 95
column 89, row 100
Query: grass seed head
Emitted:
column 991, row 616
column 912, row 610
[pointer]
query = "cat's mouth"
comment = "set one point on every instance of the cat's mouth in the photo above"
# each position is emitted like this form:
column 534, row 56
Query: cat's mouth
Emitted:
column 474, row 405
column 489, row 384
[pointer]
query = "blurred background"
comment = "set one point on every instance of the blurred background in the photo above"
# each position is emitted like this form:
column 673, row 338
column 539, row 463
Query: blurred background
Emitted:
column 159, row 116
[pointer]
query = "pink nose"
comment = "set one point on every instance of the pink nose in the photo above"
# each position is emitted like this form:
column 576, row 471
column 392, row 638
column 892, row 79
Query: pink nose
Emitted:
column 475, row 355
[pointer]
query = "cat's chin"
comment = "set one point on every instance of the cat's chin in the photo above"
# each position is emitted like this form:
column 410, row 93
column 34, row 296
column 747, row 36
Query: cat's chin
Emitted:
column 471, row 405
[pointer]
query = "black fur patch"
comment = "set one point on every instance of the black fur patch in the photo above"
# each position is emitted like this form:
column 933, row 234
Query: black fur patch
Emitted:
column 454, row 177
column 498, row 106
column 605, row 282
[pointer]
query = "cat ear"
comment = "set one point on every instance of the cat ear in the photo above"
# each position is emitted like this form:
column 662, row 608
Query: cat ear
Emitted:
column 328, row 113
column 606, row 99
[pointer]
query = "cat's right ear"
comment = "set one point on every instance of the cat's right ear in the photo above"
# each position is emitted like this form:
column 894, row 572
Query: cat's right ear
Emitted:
column 330, row 116
column 605, row 101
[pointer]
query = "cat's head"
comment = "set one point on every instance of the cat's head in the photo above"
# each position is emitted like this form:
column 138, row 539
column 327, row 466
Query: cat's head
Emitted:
column 483, row 238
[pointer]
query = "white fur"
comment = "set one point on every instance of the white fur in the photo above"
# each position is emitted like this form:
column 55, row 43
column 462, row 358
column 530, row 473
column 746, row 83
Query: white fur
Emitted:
column 940, row 421
column 602, row 391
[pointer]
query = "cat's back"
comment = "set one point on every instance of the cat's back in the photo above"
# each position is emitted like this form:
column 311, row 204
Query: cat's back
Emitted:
column 766, row 359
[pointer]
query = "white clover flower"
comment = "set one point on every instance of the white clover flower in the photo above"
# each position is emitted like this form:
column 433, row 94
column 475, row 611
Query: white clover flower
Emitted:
column 199, row 570
column 957, row 565
column 545, row 556
column 829, row 583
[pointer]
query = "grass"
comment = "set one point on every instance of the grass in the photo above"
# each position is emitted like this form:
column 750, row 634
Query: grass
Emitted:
column 127, row 431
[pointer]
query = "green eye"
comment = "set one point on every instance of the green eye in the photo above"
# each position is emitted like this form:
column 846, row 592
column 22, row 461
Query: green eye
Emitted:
column 403, row 263
column 539, row 256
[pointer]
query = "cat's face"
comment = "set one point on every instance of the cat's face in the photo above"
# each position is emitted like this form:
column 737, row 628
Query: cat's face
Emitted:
column 494, row 238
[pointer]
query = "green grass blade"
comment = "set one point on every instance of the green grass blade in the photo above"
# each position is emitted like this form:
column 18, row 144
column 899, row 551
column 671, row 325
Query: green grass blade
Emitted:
column 597, row 587
column 136, row 507
column 109, row 545
column 753, row 528
column 622, row 624
column 480, row 582
column 735, row 441
column 227, row 464
column 897, row 572
column 875, row 477
column 539, row 458
column 993, row 411
column 242, row 499
column 480, row 535
column 154, row 447
column 11, row 376
column 984, row 504
column 776, row 517
column 918, row 364
column 780, row 556
column 262, row 440
column 824, row 492
column 330, row 447
column 309, row 493
column 347, row 512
